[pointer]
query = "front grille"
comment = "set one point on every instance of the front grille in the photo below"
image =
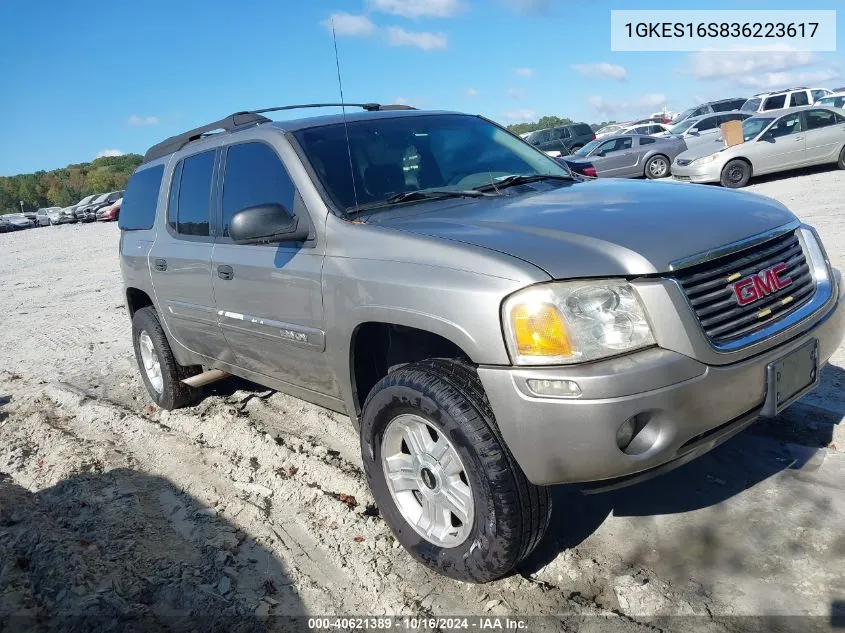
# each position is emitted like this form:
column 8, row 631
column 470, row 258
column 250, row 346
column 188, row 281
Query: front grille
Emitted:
column 710, row 288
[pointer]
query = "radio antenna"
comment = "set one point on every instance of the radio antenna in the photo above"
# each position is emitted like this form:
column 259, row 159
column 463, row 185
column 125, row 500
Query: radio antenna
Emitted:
column 345, row 126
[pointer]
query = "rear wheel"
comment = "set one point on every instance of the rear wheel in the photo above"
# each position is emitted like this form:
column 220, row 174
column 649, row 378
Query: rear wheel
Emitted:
column 443, row 477
column 161, row 374
column 657, row 167
column 736, row 174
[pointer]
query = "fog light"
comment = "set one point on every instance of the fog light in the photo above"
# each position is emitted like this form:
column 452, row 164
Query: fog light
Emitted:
column 554, row 388
column 636, row 435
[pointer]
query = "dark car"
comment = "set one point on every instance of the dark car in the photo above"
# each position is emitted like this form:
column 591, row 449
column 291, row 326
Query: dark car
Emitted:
column 722, row 105
column 578, row 167
column 564, row 139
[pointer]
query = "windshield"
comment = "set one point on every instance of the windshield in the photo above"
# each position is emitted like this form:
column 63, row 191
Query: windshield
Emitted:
column 683, row 126
column 685, row 114
column 752, row 127
column 589, row 147
column 393, row 155
column 609, row 129
column 832, row 102
column 751, row 105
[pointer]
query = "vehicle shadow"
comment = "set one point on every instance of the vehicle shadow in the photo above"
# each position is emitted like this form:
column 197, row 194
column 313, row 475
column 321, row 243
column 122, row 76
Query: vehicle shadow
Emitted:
column 792, row 173
column 127, row 551
column 790, row 441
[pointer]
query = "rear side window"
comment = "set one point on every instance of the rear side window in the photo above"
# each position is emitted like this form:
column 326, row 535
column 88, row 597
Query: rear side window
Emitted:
column 254, row 175
column 647, row 140
column 818, row 94
column 190, row 195
column 799, row 99
column 582, row 129
column 774, row 103
column 820, row 118
column 139, row 202
column 707, row 124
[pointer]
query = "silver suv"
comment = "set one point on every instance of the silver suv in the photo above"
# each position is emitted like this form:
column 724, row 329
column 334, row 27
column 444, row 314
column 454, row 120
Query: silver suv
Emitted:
column 489, row 323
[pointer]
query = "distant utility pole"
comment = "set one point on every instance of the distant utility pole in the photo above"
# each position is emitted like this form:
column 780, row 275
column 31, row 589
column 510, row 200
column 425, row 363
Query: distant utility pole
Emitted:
column 21, row 206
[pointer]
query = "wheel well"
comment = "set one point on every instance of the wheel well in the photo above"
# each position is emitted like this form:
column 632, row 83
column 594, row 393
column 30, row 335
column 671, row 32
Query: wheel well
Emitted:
column 744, row 160
column 379, row 347
column 136, row 299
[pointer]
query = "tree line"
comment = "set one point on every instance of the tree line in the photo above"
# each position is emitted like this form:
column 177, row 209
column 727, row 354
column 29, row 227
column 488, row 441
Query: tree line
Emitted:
column 547, row 122
column 66, row 186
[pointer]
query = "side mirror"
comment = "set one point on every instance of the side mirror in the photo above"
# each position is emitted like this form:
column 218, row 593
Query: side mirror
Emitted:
column 266, row 223
column 769, row 137
column 693, row 131
column 600, row 154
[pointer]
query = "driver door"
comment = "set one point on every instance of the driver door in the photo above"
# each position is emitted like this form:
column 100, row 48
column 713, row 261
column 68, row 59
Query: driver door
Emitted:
column 782, row 146
column 614, row 157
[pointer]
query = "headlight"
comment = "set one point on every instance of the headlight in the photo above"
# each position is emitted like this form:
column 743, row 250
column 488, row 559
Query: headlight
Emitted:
column 704, row 160
column 575, row 321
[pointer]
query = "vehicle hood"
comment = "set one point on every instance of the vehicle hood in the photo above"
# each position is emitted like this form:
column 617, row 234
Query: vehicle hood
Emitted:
column 705, row 149
column 600, row 227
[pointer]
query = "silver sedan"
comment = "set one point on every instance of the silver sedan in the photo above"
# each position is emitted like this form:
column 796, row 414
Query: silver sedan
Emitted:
column 787, row 139
column 629, row 155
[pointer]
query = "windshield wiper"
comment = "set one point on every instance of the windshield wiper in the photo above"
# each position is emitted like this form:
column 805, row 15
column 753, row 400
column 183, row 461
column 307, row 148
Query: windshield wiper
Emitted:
column 521, row 179
column 421, row 194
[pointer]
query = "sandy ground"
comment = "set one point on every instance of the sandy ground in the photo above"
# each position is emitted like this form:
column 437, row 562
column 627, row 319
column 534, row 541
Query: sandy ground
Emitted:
column 252, row 505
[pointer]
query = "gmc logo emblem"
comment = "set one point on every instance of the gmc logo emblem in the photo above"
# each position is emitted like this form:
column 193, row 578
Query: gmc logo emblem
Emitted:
column 755, row 287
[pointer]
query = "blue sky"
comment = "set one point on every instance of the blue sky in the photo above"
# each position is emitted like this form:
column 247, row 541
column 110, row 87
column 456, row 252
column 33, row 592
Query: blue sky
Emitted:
column 90, row 77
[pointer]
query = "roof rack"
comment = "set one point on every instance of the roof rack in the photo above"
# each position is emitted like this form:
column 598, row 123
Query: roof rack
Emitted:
column 244, row 119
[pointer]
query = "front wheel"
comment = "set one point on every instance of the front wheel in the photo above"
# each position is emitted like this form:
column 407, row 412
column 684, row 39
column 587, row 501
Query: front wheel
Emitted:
column 161, row 374
column 841, row 162
column 736, row 174
column 442, row 476
column 657, row 167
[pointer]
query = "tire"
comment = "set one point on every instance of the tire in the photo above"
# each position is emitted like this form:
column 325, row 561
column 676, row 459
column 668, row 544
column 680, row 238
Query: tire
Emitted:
column 170, row 393
column 841, row 162
column 657, row 166
column 509, row 515
column 735, row 174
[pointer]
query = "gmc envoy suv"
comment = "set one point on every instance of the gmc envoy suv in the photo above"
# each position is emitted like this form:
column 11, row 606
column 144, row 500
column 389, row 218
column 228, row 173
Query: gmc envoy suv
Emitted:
column 491, row 324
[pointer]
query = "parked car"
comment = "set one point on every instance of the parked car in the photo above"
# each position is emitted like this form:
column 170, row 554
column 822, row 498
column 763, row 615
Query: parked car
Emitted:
column 563, row 140
column 19, row 221
column 722, row 105
column 44, row 216
column 5, row 225
column 647, row 128
column 79, row 207
column 64, row 216
column 704, row 129
column 786, row 139
column 791, row 98
column 515, row 331
column 111, row 212
column 835, row 100
column 579, row 167
column 88, row 212
column 629, row 156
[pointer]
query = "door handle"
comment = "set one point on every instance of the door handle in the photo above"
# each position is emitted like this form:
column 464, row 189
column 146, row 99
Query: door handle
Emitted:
column 225, row 272
column 160, row 264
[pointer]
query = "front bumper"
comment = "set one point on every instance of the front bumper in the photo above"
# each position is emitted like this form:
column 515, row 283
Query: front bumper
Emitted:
column 690, row 407
column 710, row 172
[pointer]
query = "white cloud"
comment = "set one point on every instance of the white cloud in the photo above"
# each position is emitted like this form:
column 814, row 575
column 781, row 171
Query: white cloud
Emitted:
column 602, row 68
column 136, row 120
column 642, row 102
column 423, row 39
column 520, row 115
column 525, row 72
column 741, row 65
column 348, row 24
column 528, row 6
column 109, row 152
column 516, row 93
column 418, row 8
column 400, row 101
column 774, row 81
column 471, row 92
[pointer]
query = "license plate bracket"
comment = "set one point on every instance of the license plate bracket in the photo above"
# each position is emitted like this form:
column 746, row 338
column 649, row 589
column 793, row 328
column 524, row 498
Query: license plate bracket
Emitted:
column 791, row 377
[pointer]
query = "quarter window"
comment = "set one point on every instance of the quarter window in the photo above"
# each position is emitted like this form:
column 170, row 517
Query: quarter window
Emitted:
column 190, row 194
column 647, row 140
column 139, row 205
column 254, row 176
column 799, row 99
column 818, row 94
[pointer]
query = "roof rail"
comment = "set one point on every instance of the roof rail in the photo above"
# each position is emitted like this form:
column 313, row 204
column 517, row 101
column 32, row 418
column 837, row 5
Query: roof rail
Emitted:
column 229, row 123
column 369, row 107
column 243, row 119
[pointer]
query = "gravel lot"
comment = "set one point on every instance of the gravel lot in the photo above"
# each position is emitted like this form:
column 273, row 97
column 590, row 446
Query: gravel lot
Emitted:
column 252, row 504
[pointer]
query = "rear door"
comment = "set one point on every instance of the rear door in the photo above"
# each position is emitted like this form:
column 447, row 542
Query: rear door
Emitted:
column 825, row 135
column 180, row 259
column 269, row 297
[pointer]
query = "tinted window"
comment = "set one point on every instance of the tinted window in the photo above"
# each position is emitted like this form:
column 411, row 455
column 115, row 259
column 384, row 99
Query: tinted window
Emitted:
column 799, row 99
column 751, row 105
column 818, row 94
column 139, row 203
column 193, row 208
column 832, row 102
column 790, row 124
column 820, row 118
column 707, row 124
column 775, row 102
column 582, row 129
column 647, row 140
column 254, row 175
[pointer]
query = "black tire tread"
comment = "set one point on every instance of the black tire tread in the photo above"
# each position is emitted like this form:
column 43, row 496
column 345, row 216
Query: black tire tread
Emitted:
column 526, row 508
